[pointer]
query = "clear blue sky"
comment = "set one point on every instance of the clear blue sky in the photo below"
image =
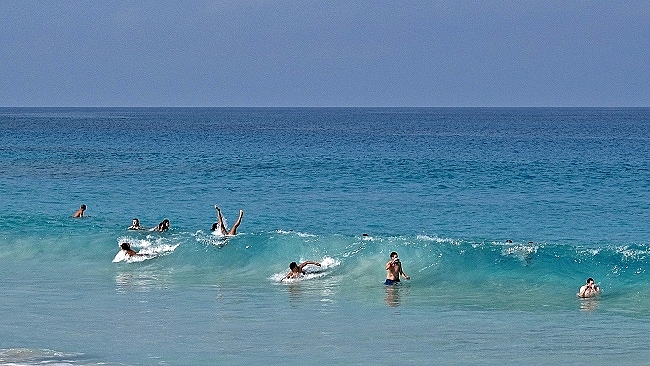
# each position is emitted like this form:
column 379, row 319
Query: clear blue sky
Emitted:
column 324, row 53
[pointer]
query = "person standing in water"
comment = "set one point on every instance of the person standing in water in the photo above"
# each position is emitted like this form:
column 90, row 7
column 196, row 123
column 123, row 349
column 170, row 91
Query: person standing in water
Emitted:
column 590, row 289
column 220, row 225
column 394, row 270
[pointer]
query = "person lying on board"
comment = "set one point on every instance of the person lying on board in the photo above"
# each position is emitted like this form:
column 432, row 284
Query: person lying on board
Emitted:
column 126, row 247
column 296, row 270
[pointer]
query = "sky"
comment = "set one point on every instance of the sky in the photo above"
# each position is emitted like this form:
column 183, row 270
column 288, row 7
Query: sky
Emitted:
column 325, row 53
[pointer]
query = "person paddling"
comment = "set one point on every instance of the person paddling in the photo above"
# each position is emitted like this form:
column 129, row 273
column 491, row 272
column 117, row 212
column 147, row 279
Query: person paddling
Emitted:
column 296, row 270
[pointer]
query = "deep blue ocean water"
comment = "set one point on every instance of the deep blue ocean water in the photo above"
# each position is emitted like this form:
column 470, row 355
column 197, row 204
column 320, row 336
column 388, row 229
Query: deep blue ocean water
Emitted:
column 499, row 216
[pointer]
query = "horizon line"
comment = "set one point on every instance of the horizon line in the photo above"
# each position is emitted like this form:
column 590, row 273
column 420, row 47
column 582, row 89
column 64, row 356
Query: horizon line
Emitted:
column 315, row 107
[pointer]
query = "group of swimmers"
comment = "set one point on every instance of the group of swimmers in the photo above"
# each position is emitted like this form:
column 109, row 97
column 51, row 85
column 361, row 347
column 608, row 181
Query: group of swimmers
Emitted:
column 135, row 225
column 394, row 270
column 161, row 227
column 393, row 267
column 165, row 224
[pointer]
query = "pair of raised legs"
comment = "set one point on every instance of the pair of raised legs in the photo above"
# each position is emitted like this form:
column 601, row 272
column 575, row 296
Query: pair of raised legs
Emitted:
column 222, row 226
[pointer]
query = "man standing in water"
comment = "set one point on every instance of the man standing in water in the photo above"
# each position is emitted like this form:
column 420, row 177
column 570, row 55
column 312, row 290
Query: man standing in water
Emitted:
column 394, row 270
column 589, row 290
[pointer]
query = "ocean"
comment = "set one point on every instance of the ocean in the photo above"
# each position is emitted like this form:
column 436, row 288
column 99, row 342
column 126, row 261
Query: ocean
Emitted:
column 499, row 215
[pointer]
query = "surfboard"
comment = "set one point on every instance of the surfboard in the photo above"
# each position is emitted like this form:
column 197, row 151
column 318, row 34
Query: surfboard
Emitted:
column 120, row 256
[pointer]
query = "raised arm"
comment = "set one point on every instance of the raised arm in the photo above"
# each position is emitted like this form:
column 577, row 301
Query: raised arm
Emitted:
column 303, row 264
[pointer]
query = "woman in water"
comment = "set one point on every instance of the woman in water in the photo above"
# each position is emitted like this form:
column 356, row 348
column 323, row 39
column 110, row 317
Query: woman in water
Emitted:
column 163, row 226
column 80, row 212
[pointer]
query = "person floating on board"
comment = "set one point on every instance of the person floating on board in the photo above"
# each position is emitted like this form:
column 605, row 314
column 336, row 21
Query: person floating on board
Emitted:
column 80, row 212
column 589, row 289
column 126, row 247
column 394, row 270
column 220, row 225
column 296, row 270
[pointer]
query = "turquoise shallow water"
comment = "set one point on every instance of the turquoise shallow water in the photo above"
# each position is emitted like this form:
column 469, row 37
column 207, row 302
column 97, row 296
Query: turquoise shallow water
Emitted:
column 446, row 188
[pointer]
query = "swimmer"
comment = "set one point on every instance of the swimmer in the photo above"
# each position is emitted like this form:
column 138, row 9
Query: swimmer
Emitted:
column 589, row 289
column 222, row 226
column 126, row 247
column 135, row 225
column 80, row 212
column 297, row 270
column 394, row 270
column 163, row 226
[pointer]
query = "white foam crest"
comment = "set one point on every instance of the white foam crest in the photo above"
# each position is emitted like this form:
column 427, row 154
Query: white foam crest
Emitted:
column 136, row 243
column 211, row 238
column 595, row 251
column 632, row 253
column 309, row 276
column 298, row 233
column 217, row 233
column 520, row 249
column 158, row 249
column 522, row 252
column 329, row 262
column 437, row 239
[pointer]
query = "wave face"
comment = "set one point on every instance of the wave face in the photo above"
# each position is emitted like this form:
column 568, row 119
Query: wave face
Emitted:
column 444, row 271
